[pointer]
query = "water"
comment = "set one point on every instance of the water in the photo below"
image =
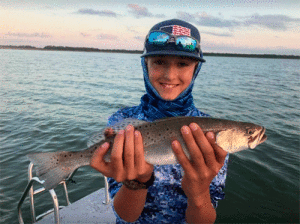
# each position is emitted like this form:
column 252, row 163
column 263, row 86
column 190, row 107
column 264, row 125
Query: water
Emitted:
column 52, row 100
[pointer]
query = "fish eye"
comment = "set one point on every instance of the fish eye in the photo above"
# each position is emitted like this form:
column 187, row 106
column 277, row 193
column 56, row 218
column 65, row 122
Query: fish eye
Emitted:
column 250, row 131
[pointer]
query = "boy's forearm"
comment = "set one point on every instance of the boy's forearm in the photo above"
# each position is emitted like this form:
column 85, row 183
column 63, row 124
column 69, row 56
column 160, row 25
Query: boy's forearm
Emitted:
column 129, row 204
column 201, row 211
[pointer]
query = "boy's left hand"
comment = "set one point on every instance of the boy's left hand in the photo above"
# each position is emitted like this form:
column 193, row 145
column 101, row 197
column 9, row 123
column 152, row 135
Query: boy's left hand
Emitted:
column 206, row 159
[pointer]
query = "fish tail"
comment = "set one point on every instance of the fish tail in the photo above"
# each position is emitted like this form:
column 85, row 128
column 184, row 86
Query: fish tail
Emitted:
column 49, row 169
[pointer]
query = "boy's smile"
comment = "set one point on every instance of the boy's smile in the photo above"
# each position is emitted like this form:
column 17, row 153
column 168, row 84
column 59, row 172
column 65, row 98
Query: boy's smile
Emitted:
column 170, row 75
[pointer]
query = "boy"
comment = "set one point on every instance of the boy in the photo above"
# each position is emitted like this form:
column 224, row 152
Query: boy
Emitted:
column 144, row 193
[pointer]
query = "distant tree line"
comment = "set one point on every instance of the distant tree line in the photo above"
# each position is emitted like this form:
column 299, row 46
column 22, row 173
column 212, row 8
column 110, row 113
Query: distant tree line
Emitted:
column 253, row 55
column 63, row 48
column 18, row 47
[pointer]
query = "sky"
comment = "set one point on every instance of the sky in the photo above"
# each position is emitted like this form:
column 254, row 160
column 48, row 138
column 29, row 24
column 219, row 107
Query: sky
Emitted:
column 237, row 26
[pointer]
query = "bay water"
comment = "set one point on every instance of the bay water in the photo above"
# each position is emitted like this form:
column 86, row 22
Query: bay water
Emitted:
column 56, row 100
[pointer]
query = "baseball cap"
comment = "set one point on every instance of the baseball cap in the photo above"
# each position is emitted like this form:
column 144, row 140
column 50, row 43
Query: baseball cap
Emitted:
column 173, row 37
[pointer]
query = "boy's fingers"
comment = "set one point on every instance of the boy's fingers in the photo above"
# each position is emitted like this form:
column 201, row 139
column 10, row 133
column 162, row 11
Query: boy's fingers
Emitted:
column 141, row 166
column 204, row 145
column 193, row 148
column 129, row 153
column 97, row 160
column 139, row 150
column 181, row 157
column 117, row 156
column 219, row 152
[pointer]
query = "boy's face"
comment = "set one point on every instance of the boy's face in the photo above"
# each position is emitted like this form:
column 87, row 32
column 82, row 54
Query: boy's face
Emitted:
column 170, row 75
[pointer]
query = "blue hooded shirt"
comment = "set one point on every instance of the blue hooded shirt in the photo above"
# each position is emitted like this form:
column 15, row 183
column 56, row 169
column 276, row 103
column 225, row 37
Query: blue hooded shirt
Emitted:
column 166, row 201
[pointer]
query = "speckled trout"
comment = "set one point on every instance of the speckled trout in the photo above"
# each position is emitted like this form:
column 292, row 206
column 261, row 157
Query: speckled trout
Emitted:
column 232, row 136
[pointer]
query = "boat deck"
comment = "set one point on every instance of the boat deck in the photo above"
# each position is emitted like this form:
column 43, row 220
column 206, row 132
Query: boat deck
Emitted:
column 89, row 209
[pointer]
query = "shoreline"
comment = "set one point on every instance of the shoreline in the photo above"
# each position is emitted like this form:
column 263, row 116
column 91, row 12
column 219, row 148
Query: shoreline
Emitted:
column 84, row 49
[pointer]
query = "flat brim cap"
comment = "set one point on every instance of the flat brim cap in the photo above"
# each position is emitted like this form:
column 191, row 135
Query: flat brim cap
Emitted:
column 174, row 27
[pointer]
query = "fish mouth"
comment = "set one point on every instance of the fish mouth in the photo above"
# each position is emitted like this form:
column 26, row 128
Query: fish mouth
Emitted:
column 257, row 139
column 263, row 137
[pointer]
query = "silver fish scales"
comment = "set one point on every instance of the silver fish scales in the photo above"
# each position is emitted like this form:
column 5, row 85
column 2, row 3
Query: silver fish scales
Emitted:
column 232, row 136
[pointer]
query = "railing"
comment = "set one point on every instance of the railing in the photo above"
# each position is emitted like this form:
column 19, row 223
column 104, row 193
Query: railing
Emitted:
column 107, row 198
column 56, row 207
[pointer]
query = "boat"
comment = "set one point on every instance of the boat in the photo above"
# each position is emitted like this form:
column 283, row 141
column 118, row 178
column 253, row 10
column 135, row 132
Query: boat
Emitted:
column 93, row 208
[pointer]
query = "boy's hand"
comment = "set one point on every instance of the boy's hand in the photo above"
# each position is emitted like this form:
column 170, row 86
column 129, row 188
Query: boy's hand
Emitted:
column 207, row 158
column 127, row 161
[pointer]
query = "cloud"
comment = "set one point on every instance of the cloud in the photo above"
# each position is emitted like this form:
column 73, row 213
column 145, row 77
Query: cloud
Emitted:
column 85, row 34
column 203, row 19
column 186, row 16
column 107, row 13
column 40, row 35
column 218, row 34
column 107, row 37
column 140, row 38
column 274, row 22
column 140, row 12
column 132, row 30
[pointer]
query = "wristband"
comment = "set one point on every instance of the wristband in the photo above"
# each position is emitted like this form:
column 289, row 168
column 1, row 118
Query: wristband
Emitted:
column 136, row 185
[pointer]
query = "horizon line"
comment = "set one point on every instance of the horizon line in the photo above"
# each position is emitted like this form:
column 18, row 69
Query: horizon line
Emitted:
column 91, row 49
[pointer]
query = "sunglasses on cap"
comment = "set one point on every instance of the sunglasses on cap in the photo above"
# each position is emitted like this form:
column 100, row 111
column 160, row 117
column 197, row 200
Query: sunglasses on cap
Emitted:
column 183, row 43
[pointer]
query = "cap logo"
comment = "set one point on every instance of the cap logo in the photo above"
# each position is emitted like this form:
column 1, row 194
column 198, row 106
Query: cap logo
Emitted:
column 177, row 30
column 180, row 30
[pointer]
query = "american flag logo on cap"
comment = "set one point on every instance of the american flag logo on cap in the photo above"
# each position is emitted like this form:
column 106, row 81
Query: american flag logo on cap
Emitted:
column 176, row 30
column 180, row 30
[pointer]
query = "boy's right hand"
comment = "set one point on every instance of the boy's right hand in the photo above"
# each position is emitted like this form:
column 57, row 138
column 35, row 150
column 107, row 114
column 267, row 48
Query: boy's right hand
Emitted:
column 127, row 161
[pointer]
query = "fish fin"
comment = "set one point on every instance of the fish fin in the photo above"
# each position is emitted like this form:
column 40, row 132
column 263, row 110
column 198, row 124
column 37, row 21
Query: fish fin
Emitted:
column 49, row 170
column 96, row 138
column 121, row 125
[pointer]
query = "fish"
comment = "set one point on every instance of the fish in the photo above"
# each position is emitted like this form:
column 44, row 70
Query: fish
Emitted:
column 232, row 136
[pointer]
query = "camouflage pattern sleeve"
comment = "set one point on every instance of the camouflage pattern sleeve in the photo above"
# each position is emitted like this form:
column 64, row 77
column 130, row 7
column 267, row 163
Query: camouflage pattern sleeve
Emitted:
column 166, row 201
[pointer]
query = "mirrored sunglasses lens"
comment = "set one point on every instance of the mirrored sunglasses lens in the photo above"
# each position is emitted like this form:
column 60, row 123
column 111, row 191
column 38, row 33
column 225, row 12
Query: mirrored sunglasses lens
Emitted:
column 186, row 43
column 158, row 38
